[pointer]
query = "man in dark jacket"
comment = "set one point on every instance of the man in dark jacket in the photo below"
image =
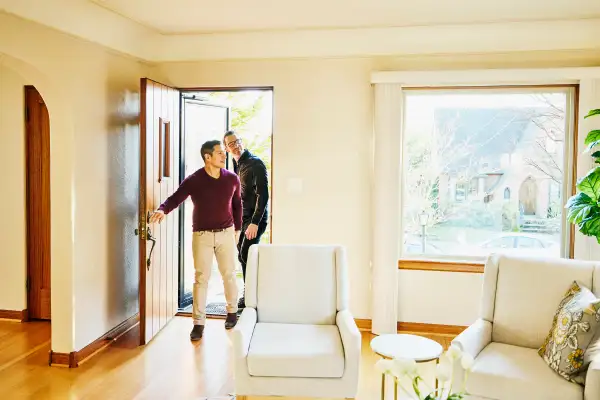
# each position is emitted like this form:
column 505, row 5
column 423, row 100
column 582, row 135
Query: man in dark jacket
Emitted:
column 255, row 196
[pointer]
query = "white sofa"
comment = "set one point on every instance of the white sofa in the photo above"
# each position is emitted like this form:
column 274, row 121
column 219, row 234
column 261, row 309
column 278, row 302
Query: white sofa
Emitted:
column 296, row 336
column 520, row 298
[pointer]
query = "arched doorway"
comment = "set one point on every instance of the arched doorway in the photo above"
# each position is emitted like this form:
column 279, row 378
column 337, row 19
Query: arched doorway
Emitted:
column 61, row 197
column 528, row 197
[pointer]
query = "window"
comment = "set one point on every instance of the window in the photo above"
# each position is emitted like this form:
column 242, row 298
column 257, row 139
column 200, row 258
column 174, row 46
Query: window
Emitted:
column 490, row 168
column 164, row 149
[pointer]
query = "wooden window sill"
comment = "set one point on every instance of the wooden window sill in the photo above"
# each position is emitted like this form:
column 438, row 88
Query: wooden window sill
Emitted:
column 473, row 267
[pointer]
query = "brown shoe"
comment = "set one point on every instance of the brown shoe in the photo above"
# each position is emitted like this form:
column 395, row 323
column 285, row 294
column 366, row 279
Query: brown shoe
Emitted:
column 231, row 320
column 196, row 333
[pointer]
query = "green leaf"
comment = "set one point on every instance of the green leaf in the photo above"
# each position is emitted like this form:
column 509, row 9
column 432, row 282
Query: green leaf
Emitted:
column 579, row 207
column 592, row 136
column 592, row 113
column 590, row 184
column 591, row 225
column 592, row 140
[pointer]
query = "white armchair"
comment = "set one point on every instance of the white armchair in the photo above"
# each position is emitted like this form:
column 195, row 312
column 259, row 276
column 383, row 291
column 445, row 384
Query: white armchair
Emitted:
column 520, row 298
column 296, row 336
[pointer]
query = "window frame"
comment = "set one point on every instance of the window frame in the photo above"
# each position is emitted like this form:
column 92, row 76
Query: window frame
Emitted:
column 475, row 264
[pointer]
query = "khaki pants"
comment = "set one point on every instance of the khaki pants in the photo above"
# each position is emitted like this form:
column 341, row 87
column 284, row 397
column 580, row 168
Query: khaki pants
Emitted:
column 205, row 244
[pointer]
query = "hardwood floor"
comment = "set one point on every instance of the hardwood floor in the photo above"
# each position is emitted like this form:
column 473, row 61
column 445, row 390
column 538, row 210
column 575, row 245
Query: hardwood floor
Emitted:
column 170, row 367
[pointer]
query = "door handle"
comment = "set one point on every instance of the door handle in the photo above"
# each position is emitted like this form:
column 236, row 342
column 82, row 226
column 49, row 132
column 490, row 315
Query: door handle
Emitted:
column 148, row 236
column 153, row 240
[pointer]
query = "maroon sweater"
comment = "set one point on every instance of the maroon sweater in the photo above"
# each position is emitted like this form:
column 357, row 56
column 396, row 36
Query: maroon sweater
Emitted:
column 217, row 202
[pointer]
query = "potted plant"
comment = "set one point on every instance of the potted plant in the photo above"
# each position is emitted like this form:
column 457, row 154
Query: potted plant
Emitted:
column 401, row 369
column 584, row 207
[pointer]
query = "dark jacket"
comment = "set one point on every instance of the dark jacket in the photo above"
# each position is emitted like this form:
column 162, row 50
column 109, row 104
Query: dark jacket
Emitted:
column 255, row 187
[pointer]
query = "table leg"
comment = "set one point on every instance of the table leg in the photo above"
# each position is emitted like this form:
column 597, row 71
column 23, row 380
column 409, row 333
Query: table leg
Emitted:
column 437, row 362
column 382, row 386
column 395, row 389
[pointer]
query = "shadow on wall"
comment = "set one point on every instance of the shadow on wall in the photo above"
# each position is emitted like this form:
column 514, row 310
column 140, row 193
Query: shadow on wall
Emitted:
column 123, row 195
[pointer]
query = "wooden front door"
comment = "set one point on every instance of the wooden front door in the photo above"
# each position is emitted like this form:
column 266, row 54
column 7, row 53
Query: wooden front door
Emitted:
column 37, row 144
column 159, row 178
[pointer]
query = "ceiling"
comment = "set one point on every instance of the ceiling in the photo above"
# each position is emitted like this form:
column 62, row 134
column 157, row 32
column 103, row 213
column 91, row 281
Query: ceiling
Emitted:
column 193, row 30
column 202, row 16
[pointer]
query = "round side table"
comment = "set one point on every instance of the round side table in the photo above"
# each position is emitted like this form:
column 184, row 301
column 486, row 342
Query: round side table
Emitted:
column 414, row 347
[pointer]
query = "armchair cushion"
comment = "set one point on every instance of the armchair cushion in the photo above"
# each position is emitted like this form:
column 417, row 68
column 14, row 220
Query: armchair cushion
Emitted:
column 524, row 304
column 573, row 328
column 284, row 275
column 296, row 351
column 503, row 371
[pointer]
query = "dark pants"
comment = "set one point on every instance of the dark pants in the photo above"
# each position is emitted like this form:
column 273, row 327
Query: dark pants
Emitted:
column 244, row 243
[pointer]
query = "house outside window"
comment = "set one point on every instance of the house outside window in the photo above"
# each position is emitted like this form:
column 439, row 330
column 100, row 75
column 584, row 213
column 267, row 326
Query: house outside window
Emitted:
column 500, row 185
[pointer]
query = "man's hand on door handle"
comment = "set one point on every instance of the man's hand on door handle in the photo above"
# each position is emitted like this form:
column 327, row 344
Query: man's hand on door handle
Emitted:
column 157, row 216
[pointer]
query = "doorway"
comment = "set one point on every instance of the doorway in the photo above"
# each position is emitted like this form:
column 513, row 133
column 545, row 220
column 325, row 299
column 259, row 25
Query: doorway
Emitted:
column 207, row 115
column 37, row 145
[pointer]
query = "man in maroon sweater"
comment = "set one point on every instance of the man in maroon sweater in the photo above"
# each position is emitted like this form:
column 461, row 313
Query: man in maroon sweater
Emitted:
column 215, row 193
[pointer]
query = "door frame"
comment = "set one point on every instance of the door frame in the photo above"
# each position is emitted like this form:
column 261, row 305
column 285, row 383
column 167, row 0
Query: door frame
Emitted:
column 29, row 131
column 185, row 301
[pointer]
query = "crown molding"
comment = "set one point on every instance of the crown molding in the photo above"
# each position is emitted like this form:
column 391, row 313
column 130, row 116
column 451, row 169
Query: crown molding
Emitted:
column 478, row 38
column 87, row 20
column 487, row 77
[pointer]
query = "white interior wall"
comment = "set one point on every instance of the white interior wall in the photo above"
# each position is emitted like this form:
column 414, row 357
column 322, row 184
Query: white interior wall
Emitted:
column 92, row 96
column 13, row 256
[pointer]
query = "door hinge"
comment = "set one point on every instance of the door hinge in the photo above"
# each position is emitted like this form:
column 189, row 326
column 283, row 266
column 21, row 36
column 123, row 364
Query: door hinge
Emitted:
column 27, row 284
column 27, row 113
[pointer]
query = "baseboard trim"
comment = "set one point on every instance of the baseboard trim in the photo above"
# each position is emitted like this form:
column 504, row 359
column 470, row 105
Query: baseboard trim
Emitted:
column 418, row 327
column 22, row 315
column 76, row 358
column 365, row 325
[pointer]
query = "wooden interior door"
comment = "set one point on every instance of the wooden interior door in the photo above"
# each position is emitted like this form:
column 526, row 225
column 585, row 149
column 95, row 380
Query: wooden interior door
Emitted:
column 37, row 144
column 159, row 178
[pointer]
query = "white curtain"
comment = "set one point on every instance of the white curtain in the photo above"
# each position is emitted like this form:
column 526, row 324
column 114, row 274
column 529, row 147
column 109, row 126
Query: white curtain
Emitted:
column 386, row 206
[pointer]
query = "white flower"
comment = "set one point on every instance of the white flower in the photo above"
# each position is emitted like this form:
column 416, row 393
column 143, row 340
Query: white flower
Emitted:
column 403, row 367
column 467, row 361
column 385, row 366
column 454, row 353
column 444, row 371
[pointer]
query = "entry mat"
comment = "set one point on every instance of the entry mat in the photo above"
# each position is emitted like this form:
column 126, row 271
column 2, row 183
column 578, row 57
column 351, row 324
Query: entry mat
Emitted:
column 216, row 309
column 213, row 310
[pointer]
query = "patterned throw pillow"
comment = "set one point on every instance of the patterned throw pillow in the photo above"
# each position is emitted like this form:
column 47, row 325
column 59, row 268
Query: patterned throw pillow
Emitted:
column 575, row 323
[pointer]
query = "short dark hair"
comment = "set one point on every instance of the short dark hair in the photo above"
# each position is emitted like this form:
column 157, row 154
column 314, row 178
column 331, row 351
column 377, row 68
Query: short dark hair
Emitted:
column 227, row 134
column 208, row 148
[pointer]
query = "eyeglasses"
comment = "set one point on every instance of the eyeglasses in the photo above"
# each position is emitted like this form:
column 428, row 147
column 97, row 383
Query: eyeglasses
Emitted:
column 231, row 144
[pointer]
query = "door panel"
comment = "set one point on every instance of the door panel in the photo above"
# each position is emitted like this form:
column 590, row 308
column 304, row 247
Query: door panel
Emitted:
column 38, row 205
column 159, row 178
column 202, row 121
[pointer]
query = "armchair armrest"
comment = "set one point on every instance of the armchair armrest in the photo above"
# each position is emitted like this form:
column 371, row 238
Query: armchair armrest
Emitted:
column 242, row 333
column 473, row 339
column 351, row 340
column 592, row 380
